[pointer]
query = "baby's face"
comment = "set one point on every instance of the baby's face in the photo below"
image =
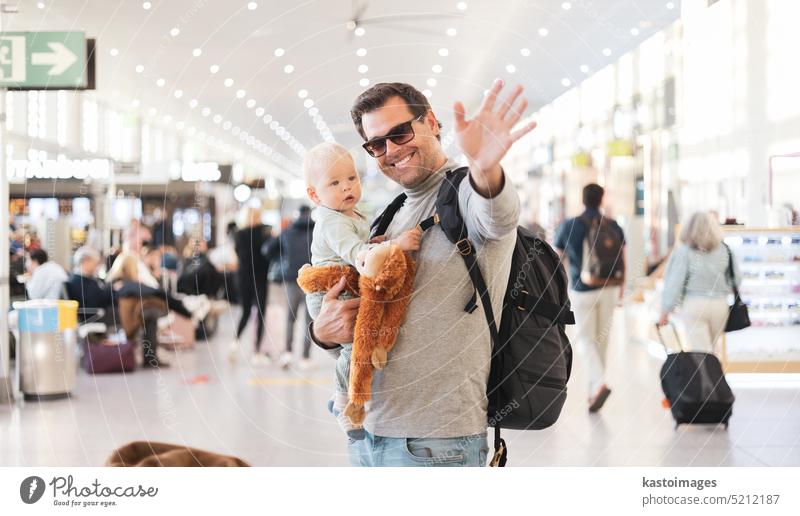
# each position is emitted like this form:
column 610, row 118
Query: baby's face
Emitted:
column 337, row 187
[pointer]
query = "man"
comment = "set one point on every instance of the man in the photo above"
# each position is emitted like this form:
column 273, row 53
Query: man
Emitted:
column 593, row 304
column 292, row 250
column 429, row 402
column 84, row 287
column 46, row 278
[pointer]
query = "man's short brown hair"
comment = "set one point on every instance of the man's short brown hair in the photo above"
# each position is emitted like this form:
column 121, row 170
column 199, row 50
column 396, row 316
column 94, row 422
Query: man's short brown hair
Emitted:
column 377, row 96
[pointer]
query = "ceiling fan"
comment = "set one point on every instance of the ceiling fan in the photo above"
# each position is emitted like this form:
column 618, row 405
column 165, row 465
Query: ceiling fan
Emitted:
column 401, row 22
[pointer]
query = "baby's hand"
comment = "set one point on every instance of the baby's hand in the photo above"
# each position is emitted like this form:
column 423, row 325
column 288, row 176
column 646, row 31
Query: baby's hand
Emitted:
column 377, row 239
column 410, row 240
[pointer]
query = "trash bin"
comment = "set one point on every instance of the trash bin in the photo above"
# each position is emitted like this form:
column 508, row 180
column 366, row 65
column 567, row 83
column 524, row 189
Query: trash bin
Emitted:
column 47, row 351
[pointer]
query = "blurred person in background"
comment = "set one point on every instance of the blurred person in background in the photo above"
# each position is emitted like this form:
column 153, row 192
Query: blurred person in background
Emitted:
column 697, row 281
column 252, row 275
column 136, row 235
column 46, row 279
column 290, row 251
column 83, row 285
column 224, row 259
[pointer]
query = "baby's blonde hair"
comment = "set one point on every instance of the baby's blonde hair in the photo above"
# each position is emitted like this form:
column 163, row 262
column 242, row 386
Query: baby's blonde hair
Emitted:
column 320, row 158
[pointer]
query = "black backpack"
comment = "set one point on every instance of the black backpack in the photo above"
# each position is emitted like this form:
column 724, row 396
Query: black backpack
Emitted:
column 531, row 355
column 602, row 254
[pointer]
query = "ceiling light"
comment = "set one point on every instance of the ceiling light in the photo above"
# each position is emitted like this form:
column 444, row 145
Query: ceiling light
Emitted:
column 451, row 31
column 240, row 94
column 436, row 68
column 318, row 118
column 361, row 52
column 279, row 52
column 147, row 5
column 302, row 94
column 206, row 111
column 135, row 103
column 235, row 130
column 288, row 68
column 525, row 52
column 308, row 103
column 252, row 6
column 363, row 68
column 360, row 31
column 462, row 6
column 566, row 82
column 320, row 125
column 40, row 5
column 427, row 93
column 161, row 83
column 139, row 68
column 584, row 69
column 217, row 119
column 606, row 52
column 114, row 52
column 260, row 112
column 174, row 31
column 314, row 111
column 431, row 82
column 566, row 6
column 510, row 68
column 634, row 31
column 228, row 82
column 213, row 68
column 363, row 82
column 193, row 103
column 178, row 94
column 274, row 125
column 196, row 52
column 670, row 5
column 444, row 52
column 267, row 119
column 227, row 125
column 543, row 32
column 251, row 103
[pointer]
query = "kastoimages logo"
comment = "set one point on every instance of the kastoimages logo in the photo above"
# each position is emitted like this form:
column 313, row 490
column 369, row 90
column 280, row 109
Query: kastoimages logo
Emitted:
column 31, row 489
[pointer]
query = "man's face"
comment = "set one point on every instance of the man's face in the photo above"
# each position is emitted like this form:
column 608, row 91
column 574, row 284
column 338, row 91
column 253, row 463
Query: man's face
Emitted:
column 413, row 162
column 89, row 265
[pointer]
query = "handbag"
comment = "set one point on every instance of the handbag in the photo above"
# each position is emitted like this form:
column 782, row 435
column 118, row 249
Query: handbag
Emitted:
column 738, row 318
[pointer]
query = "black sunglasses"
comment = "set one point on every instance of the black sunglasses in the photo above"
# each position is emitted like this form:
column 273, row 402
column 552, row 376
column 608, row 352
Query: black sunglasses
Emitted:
column 399, row 134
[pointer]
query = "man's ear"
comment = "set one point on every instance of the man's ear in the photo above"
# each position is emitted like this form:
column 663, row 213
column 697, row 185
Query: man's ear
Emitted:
column 432, row 122
column 312, row 194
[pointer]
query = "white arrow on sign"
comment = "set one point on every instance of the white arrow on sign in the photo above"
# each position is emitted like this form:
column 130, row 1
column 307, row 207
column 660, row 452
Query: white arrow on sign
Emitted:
column 60, row 58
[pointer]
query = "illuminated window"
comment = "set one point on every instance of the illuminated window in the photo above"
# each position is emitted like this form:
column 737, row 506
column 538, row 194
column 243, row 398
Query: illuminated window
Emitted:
column 90, row 123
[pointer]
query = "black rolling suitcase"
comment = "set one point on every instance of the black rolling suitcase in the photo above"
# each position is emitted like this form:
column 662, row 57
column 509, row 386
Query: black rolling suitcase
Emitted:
column 695, row 386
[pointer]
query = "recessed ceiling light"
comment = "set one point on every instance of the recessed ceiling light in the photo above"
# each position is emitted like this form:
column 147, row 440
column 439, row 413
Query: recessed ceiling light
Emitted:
column 217, row 119
column 274, row 125
column 228, row 82
column 139, row 68
column 135, row 103
column 267, row 119
column 251, row 103
column 431, row 82
column 193, row 103
column 302, row 94
column 260, row 112
column 363, row 68
column 566, row 6
column 240, row 94
column 361, row 52
column 543, row 32
column 427, row 93
column 114, row 52
column 360, row 31
column 227, row 125
column 288, row 68
column 584, row 69
column 279, row 52
column 670, row 5
column 444, row 52
column 161, row 83
column 436, row 68
column 40, row 5
column 308, row 103
column 451, row 32
column 206, row 111
column 634, row 31
column 196, row 52
column 510, row 68
column 462, row 6
column 606, row 52
column 178, row 94
column 314, row 111
column 147, row 5
column 252, row 6
column 525, row 52
column 174, row 31
column 213, row 68
column 236, row 130
column 566, row 82
column 317, row 117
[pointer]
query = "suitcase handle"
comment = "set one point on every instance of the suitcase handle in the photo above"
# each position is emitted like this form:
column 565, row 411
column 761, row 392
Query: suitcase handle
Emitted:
column 661, row 338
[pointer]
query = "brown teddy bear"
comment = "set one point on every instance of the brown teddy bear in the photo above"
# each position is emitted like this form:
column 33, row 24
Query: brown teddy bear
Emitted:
column 385, row 290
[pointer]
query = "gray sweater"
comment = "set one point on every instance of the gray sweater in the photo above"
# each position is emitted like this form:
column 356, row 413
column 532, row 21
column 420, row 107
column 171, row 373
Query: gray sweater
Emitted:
column 434, row 383
column 693, row 273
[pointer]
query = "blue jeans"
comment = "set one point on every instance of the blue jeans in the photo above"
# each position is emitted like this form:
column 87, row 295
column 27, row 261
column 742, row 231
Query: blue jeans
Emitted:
column 374, row 450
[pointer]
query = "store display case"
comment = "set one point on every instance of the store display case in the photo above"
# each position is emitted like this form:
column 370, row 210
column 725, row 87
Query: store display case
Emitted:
column 769, row 260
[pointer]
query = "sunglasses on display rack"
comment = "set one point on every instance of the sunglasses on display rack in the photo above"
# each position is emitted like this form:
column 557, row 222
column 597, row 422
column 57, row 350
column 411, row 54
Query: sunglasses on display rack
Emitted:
column 399, row 134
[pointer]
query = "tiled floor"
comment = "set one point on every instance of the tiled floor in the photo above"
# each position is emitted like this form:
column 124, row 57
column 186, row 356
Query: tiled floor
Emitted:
column 272, row 417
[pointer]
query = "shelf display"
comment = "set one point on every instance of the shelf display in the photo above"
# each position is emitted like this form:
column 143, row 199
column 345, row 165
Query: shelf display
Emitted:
column 769, row 260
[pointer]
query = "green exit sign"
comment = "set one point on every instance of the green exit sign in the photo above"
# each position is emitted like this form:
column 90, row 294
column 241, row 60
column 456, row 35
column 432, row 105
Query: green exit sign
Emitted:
column 46, row 60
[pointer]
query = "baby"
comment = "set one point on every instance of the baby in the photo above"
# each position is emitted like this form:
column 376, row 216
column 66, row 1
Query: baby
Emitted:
column 341, row 238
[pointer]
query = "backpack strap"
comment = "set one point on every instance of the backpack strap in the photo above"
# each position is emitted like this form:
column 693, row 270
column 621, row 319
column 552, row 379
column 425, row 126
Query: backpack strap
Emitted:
column 381, row 224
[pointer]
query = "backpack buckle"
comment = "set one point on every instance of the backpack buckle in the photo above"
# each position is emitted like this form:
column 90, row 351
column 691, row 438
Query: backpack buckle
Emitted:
column 498, row 460
column 464, row 247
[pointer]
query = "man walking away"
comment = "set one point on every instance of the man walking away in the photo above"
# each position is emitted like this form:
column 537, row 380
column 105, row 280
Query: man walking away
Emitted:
column 594, row 247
